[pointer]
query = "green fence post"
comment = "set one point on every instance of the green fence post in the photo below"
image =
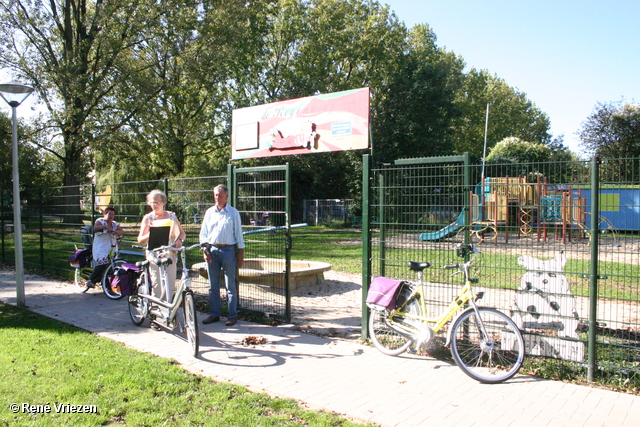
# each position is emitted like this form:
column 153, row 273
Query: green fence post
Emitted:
column 2, row 221
column 93, row 207
column 165, row 189
column 468, row 186
column 288, row 243
column 41, row 212
column 593, row 269
column 231, row 184
column 382, row 224
column 366, row 240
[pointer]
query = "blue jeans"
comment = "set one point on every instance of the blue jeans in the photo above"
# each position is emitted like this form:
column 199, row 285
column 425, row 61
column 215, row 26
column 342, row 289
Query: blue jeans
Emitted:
column 223, row 260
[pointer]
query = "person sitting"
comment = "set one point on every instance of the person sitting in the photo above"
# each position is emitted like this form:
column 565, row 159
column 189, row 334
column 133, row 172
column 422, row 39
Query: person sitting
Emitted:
column 106, row 236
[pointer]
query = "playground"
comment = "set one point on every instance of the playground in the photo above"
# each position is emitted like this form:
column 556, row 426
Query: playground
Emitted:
column 506, row 208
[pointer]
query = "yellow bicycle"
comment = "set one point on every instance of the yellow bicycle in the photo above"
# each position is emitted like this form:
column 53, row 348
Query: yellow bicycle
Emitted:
column 485, row 343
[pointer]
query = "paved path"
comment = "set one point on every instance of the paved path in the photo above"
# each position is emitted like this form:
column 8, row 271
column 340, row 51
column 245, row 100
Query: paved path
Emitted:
column 340, row 376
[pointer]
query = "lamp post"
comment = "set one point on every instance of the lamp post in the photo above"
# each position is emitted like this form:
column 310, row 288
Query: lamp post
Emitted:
column 14, row 94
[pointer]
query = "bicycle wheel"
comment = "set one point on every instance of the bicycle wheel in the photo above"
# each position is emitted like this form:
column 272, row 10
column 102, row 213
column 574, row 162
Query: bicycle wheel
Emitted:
column 138, row 305
column 108, row 276
column 492, row 357
column 80, row 277
column 191, row 323
column 386, row 339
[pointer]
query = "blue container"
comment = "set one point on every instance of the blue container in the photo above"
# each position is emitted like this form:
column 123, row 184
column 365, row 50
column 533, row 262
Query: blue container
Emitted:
column 620, row 206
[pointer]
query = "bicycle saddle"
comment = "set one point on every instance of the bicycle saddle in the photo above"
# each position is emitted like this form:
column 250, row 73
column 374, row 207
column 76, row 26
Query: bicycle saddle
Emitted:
column 418, row 266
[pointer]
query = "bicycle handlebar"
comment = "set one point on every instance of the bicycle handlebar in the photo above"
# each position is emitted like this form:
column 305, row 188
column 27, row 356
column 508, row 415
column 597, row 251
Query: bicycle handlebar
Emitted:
column 185, row 248
column 163, row 248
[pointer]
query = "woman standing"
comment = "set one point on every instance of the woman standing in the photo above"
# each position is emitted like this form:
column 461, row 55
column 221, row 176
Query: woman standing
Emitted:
column 158, row 215
column 106, row 237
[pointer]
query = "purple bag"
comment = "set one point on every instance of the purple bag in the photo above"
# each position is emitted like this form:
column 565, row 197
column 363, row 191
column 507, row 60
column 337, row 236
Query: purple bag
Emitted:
column 123, row 278
column 382, row 292
column 79, row 258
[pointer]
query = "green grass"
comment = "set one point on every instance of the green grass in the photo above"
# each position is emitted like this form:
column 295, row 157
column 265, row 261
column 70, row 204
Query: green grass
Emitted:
column 342, row 248
column 45, row 362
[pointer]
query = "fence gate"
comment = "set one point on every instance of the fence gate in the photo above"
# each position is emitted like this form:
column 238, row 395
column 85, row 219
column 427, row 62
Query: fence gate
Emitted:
column 409, row 208
column 262, row 195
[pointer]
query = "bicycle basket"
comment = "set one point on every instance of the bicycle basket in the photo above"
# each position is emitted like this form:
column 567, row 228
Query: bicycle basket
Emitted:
column 79, row 258
column 382, row 293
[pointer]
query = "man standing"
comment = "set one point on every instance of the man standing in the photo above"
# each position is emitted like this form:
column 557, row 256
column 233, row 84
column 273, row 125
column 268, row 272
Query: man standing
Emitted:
column 222, row 229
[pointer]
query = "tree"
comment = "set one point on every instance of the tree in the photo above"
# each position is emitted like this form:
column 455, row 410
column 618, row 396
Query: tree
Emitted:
column 516, row 157
column 321, row 46
column 32, row 163
column 75, row 54
column 510, row 114
column 519, row 151
column 186, row 127
column 612, row 130
column 416, row 111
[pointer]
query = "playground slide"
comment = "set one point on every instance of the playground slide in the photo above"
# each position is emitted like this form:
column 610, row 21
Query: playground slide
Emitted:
column 447, row 231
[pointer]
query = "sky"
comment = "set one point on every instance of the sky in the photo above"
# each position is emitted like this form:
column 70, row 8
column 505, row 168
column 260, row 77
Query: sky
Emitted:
column 565, row 55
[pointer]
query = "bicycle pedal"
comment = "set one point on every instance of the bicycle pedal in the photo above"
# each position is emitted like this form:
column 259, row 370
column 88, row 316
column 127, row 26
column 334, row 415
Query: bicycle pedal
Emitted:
column 424, row 335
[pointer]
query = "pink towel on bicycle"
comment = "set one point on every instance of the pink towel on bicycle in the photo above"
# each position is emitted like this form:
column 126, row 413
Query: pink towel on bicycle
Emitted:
column 383, row 291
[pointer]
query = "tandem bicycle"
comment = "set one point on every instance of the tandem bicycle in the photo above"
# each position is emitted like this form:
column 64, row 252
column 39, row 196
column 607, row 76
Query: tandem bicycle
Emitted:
column 180, row 312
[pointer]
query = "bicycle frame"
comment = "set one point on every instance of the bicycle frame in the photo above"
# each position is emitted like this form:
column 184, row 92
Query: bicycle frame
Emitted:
column 185, row 283
column 113, row 256
column 485, row 343
column 465, row 296
column 83, row 273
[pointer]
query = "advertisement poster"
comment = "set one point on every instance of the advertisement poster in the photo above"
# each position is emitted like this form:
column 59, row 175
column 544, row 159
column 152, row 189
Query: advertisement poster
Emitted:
column 332, row 122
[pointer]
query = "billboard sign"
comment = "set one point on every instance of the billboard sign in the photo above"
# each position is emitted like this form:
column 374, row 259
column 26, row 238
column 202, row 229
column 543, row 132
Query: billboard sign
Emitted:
column 332, row 122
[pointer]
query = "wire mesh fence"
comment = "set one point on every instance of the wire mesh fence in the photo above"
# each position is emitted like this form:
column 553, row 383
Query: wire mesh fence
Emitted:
column 58, row 220
column 328, row 211
column 263, row 204
column 559, row 246
column 559, row 242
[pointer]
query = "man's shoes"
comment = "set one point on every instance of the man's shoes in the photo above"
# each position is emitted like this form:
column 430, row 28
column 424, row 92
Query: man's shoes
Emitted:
column 89, row 284
column 231, row 321
column 211, row 319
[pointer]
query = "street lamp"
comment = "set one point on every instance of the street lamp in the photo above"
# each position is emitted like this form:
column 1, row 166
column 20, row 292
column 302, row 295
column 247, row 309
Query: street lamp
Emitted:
column 14, row 94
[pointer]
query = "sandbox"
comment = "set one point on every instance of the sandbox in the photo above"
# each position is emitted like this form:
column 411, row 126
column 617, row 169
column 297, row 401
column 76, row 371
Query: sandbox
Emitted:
column 271, row 272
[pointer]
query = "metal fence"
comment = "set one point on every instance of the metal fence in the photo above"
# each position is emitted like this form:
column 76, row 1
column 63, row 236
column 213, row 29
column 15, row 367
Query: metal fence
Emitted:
column 53, row 219
column 559, row 246
column 560, row 241
column 327, row 211
column 262, row 197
